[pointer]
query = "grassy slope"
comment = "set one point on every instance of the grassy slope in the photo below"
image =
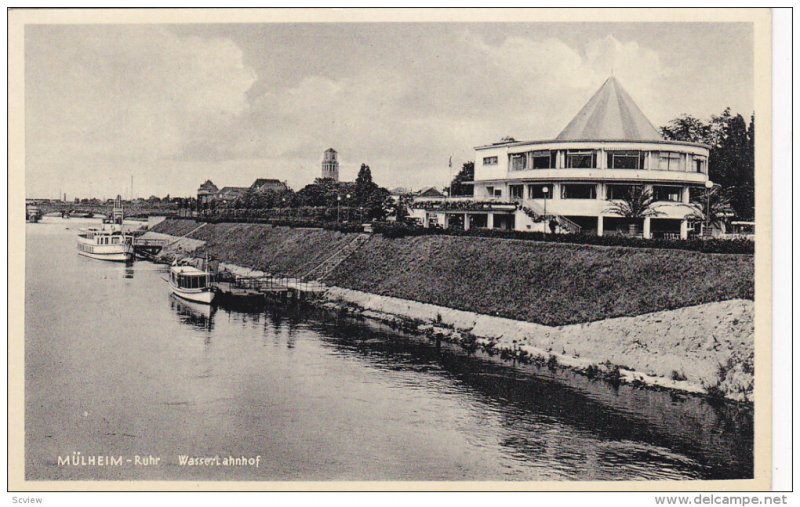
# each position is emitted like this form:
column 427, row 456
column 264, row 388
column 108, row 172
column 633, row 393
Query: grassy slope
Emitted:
column 551, row 284
column 277, row 250
column 176, row 227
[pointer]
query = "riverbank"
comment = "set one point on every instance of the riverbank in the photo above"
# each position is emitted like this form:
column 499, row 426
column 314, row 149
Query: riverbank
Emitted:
column 675, row 319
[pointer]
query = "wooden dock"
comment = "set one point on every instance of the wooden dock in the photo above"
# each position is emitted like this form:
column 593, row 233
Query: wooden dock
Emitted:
column 251, row 290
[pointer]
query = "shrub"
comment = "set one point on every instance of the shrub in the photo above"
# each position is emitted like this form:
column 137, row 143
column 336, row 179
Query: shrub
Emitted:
column 727, row 246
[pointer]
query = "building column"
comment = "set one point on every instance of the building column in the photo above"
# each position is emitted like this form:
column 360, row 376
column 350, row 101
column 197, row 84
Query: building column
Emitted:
column 490, row 221
column 685, row 198
column 684, row 229
column 466, row 221
column 445, row 221
column 600, row 225
column 425, row 221
column 646, row 228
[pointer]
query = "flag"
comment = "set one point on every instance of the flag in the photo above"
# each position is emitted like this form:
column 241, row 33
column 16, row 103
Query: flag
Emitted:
column 450, row 162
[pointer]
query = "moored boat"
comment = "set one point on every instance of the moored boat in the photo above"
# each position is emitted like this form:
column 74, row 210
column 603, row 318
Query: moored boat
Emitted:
column 107, row 242
column 191, row 284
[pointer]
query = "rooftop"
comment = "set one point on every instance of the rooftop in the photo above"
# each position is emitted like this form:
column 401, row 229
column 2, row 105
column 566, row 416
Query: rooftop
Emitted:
column 611, row 114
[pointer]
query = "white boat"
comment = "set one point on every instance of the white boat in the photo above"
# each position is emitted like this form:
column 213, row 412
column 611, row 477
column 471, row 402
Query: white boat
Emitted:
column 107, row 243
column 191, row 284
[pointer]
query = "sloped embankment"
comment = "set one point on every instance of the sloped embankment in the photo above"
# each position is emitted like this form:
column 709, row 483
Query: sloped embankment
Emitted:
column 281, row 251
column 545, row 283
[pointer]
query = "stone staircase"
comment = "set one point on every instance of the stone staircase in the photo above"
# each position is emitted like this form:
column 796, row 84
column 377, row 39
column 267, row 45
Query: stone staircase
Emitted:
column 538, row 216
column 329, row 264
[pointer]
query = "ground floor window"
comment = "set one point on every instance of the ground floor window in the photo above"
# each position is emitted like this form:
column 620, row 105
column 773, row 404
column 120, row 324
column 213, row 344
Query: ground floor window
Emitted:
column 578, row 191
column 665, row 228
column 539, row 191
column 479, row 220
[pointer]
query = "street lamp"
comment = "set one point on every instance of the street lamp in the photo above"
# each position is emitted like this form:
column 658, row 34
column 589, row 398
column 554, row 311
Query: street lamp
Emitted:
column 338, row 207
column 706, row 231
column 545, row 191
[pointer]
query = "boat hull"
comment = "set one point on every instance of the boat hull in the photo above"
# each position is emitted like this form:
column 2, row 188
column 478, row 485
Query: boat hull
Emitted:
column 205, row 297
column 121, row 256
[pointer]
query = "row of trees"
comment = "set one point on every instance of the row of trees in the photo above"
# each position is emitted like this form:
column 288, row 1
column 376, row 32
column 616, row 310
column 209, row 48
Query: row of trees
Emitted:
column 364, row 194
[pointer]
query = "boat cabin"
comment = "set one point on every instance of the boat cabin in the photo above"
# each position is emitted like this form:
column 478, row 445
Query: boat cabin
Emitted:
column 187, row 277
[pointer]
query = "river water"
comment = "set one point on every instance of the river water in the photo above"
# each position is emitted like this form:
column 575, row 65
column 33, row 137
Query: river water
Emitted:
column 117, row 368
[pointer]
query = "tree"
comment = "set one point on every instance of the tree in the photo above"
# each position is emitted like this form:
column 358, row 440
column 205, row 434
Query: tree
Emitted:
column 718, row 203
column 636, row 205
column 732, row 156
column 467, row 173
column 364, row 185
column 687, row 128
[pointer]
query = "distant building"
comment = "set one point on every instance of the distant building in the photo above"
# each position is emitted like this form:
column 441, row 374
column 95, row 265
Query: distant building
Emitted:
column 229, row 194
column 428, row 192
column 266, row 184
column 330, row 165
column 205, row 194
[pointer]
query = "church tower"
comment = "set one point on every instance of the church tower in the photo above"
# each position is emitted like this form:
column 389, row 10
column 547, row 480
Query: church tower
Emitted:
column 330, row 165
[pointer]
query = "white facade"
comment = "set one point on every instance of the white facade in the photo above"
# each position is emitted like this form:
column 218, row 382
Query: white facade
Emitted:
column 608, row 147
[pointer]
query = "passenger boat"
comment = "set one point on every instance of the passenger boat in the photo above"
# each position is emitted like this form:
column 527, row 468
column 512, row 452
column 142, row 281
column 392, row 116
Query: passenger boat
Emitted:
column 191, row 284
column 107, row 243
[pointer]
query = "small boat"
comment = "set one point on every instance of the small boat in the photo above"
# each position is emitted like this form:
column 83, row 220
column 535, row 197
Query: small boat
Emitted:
column 107, row 243
column 191, row 284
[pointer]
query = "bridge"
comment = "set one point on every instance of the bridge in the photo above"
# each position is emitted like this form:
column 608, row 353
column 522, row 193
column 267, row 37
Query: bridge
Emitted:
column 137, row 210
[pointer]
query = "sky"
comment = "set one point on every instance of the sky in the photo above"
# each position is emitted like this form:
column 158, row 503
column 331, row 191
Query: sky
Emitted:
column 170, row 106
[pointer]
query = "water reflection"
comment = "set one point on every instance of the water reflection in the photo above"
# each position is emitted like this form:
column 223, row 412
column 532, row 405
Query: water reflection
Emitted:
column 676, row 435
column 196, row 315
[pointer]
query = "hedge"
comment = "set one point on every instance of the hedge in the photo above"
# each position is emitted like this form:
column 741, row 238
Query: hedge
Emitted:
column 711, row 245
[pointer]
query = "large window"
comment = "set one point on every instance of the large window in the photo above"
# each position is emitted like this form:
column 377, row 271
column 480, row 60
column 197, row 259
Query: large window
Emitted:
column 543, row 159
column 516, row 191
column 700, row 165
column 519, row 162
column 536, row 191
column 666, row 193
column 577, row 159
column 625, row 160
column 620, row 191
column 578, row 191
column 669, row 161
column 489, row 160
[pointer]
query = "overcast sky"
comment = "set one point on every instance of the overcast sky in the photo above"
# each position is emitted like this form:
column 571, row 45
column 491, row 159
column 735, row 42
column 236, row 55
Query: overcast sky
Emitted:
column 175, row 105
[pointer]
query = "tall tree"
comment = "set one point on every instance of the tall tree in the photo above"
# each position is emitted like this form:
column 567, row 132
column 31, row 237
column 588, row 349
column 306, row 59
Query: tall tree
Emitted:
column 364, row 185
column 732, row 157
column 467, row 173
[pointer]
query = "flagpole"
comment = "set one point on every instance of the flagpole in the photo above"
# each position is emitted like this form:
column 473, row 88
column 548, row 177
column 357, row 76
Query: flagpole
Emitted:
column 450, row 175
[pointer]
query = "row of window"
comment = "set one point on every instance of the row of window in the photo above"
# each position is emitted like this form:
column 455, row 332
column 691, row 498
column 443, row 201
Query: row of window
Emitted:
column 189, row 282
column 586, row 191
column 107, row 240
column 587, row 159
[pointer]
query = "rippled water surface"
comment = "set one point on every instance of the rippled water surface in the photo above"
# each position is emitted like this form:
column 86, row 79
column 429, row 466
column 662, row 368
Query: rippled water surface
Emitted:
column 116, row 366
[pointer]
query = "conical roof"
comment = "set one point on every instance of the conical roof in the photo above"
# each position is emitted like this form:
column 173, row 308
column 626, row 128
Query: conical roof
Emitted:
column 610, row 115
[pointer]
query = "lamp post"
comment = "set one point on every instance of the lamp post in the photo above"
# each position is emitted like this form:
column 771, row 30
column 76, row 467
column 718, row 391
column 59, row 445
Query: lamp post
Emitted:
column 545, row 191
column 706, row 230
column 338, row 207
